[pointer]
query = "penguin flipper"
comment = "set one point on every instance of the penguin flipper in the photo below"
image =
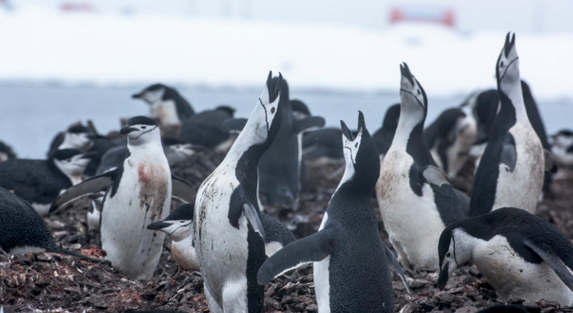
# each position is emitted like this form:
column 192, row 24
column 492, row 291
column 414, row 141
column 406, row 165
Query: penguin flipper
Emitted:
column 508, row 153
column 252, row 215
column 313, row 248
column 182, row 190
column 88, row 186
column 445, row 198
column 435, row 176
column 553, row 261
column 396, row 266
column 308, row 123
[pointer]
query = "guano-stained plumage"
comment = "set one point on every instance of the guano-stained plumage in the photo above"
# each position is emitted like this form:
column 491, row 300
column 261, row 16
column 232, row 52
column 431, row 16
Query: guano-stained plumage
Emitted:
column 521, row 255
column 415, row 198
column 511, row 170
column 229, row 237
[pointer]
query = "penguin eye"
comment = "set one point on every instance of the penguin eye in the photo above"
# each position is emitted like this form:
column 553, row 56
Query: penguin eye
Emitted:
column 418, row 90
column 273, row 110
column 143, row 127
column 448, row 254
column 69, row 160
column 356, row 145
column 501, row 64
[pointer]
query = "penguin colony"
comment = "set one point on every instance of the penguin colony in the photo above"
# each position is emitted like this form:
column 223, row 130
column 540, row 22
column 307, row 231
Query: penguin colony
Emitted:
column 222, row 230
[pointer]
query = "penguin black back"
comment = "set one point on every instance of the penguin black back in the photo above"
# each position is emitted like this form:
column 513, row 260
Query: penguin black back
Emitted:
column 383, row 137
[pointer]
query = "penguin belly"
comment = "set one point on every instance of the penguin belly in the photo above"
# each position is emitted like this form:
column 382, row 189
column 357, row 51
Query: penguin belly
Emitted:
column 184, row 254
column 222, row 249
column 321, row 276
column 143, row 197
column 514, row 278
column 413, row 222
column 522, row 187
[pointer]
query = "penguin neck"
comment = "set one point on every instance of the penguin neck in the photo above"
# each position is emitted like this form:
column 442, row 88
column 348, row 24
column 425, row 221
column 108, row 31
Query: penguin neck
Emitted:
column 511, row 96
column 60, row 172
column 409, row 126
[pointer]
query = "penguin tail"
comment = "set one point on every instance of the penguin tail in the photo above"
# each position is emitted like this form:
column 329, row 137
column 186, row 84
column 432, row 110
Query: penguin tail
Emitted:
column 59, row 250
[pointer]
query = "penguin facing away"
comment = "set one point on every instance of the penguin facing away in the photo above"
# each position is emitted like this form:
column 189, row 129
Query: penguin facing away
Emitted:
column 229, row 237
column 521, row 255
column 511, row 170
column 351, row 271
column 39, row 182
column 23, row 230
column 415, row 197
column 138, row 192
column 205, row 129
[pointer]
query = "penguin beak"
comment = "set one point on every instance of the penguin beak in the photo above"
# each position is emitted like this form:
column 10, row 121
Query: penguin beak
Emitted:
column 127, row 129
column 137, row 95
column 158, row 225
column 444, row 276
column 345, row 131
column 405, row 71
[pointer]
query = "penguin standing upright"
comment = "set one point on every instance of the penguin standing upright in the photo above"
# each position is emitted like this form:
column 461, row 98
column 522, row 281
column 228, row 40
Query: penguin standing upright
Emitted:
column 521, row 255
column 138, row 193
column 167, row 107
column 415, row 197
column 351, row 262
column 510, row 173
column 229, row 237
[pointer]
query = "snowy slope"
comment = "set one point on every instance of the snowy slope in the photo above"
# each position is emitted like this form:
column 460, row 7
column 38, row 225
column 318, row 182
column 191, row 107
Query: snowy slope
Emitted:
column 112, row 49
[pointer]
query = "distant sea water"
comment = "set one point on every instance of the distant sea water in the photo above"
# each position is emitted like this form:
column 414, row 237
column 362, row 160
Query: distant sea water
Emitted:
column 30, row 116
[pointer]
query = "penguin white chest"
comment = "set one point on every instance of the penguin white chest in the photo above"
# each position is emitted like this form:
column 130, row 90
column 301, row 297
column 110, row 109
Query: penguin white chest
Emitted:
column 413, row 222
column 514, row 278
column 222, row 249
column 166, row 112
column 183, row 253
column 143, row 197
column 522, row 187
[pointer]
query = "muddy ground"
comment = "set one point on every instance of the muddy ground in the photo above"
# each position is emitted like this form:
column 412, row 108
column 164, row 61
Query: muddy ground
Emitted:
column 55, row 283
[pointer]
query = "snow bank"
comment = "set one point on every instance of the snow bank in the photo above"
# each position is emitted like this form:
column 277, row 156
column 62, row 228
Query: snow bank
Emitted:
column 113, row 49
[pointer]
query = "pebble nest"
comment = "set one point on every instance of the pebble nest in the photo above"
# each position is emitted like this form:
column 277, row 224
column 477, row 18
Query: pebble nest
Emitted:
column 55, row 283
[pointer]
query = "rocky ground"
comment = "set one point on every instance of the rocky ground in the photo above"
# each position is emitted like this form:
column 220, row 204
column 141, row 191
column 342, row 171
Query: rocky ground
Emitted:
column 55, row 283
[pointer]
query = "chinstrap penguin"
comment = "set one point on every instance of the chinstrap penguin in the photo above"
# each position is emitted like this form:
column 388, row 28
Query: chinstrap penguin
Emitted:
column 415, row 197
column 166, row 106
column 40, row 181
column 351, row 262
column 6, row 152
column 179, row 228
column 205, row 129
column 138, row 192
column 77, row 136
column 521, row 255
column 229, row 237
column 511, row 170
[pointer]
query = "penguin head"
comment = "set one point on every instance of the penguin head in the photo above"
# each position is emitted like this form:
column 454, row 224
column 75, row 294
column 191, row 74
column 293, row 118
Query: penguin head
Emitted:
column 152, row 94
column 140, row 130
column 361, row 157
column 414, row 102
column 507, row 67
column 266, row 118
column 563, row 139
column 454, row 249
column 178, row 225
column 71, row 162
column 299, row 110
column 78, row 137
